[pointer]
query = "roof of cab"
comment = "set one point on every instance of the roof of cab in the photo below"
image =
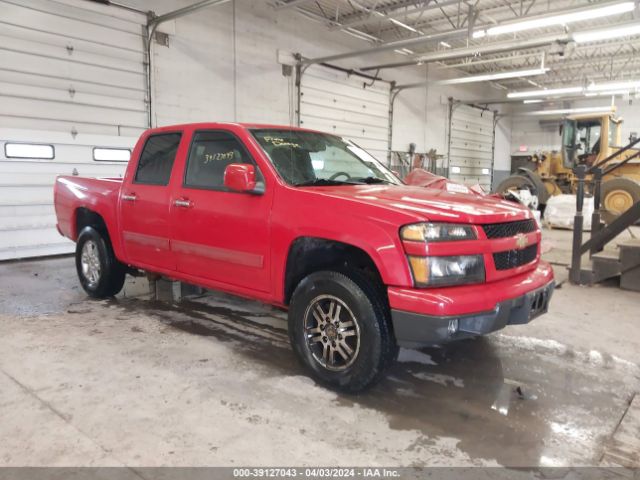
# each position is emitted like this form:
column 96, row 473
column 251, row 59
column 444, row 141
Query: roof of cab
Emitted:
column 232, row 124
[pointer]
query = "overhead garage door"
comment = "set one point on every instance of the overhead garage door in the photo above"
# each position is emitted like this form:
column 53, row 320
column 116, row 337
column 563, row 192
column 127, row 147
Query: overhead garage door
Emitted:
column 471, row 145
column 347, row 105
column 72, row 77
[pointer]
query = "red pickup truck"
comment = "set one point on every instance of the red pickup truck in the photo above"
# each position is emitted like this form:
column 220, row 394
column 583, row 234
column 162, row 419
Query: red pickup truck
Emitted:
column 310, row 222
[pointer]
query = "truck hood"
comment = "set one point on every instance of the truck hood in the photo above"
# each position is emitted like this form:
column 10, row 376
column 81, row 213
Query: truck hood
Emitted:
column 430, row 204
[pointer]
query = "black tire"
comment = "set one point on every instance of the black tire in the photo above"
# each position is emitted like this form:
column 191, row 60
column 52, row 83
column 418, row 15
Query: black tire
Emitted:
column 366, row 302
column 111, row 275
column 624, row 190
column 520, row 182
column 516, row 182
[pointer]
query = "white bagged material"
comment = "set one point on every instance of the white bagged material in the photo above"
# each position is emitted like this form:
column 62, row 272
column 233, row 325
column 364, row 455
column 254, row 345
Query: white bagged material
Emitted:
column 562, row 208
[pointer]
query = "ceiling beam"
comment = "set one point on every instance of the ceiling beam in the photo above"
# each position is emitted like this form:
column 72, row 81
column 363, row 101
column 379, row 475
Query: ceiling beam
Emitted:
column 385, row 47
column 563, row 65
column 181, row 12
column 357, row 15
column 552, row 61
column 485, row 61
column 489, row 77
column 281, row 5
column 441, row 19
column 455, row 53
column 395, row 13
column 550, row 100
column 605, row 57
column 406, row 43
column 351, row 31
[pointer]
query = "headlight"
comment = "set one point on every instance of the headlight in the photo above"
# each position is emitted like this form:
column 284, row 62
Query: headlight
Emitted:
column 439, row 271
column 437, row 232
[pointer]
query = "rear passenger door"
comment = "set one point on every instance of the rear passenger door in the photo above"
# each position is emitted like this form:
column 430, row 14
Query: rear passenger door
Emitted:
column 218, row 234
column 144, row 204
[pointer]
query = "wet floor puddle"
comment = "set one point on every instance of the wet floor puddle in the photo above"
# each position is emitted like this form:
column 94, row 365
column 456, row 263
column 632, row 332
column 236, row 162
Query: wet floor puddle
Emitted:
column 518, row 400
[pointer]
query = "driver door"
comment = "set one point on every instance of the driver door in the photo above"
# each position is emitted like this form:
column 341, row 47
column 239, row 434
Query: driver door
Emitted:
column 217, row 234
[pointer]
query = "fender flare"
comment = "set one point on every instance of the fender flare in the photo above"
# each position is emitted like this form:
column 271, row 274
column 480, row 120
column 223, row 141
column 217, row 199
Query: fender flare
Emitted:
column 543, row 194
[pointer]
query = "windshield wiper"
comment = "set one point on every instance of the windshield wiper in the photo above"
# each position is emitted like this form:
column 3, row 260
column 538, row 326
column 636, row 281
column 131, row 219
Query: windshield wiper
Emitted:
column 323, row 182
column 371, row 180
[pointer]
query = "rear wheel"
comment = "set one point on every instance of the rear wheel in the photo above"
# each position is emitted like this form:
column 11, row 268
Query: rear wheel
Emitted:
column 618, row 195
column 339, row 328
column 100, row 273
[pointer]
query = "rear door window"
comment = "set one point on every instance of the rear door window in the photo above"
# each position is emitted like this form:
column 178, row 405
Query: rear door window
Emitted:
column 156, row 160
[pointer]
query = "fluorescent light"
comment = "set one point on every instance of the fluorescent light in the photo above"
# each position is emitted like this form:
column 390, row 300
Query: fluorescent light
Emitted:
column 567, row 111
column 629, row 85
column 545, row 92
column 397, row 22
column 445, row 44
column 533, row 100
column 607, row 34
column 404, row 51
column 29, row 150
column 605, row 94
column 611, row 88
column 495, row 76
column 360, row 35
column 560, row 19
column 403, row 25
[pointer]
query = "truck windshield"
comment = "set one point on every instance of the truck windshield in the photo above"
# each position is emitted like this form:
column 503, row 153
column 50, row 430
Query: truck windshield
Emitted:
column 318, row 159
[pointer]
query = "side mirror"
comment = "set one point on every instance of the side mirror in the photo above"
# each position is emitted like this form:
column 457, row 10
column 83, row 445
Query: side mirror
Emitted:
column 240, row 177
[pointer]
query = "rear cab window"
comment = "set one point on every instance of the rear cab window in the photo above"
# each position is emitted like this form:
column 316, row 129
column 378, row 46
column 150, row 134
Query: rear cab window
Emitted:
column 157, row 158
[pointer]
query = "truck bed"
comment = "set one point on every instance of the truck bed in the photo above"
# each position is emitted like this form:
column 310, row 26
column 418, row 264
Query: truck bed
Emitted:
column 96, row 194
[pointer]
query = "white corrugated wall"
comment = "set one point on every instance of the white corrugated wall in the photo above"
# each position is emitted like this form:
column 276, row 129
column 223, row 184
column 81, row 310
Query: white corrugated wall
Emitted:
column 72, row 75
column 471, row 145
column 346, row 105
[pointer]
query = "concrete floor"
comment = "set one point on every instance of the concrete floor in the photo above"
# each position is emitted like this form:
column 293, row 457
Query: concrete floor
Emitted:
column 213, row 381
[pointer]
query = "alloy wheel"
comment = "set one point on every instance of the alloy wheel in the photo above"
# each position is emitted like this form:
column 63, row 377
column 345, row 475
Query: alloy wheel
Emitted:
column 332, row 332
column 90, row 262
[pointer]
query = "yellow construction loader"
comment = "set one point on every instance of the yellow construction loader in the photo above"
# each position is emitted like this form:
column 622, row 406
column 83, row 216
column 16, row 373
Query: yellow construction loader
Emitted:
column 591, row 140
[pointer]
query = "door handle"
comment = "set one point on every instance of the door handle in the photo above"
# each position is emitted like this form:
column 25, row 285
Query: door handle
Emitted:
column 129, row 197
column 183, row 202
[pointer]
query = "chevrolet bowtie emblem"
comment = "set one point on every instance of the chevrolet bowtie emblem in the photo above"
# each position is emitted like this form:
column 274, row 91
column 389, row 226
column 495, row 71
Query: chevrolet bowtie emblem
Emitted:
column 521, row 241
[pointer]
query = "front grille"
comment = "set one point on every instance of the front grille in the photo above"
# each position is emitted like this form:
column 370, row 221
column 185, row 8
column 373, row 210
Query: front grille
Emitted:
column 509, row 229
column 515, row 258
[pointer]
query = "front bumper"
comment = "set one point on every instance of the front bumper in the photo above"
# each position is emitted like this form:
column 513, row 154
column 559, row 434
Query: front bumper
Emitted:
column 418, row 329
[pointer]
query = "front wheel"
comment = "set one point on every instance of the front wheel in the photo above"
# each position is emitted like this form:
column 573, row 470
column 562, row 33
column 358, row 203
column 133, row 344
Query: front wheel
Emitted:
column 339, row 328
column 100, row 273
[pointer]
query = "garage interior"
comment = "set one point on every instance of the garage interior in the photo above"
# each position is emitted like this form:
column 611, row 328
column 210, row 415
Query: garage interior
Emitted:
column 165, row 375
